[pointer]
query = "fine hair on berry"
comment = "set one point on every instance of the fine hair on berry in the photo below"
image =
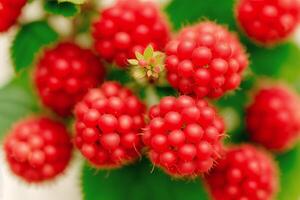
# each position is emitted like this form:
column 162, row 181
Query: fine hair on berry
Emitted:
column 109, row 122
column 183, row 136
column 205, row 60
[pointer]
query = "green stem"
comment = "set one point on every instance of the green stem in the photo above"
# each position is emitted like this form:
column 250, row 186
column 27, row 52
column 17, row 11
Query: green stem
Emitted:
column 151, row 96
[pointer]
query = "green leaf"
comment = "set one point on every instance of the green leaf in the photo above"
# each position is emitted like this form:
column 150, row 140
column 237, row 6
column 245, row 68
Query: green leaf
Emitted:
column 289, row 175
column 148, row 53
column 16, row 102
column 73, row 1
column 133, row 61
column 28, row 41
column 66, row 9
column 138, row 182
column 187, row 12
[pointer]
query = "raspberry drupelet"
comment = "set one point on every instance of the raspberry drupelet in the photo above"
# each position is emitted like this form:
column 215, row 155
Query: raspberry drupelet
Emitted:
column 205, row 60
column 244, row 173
column 109, row 122
column 38, row 149
column 268, row 21
column 273, row 118
column 183, row 136
column 9, row 12
column 127, row 27
column 64, row 74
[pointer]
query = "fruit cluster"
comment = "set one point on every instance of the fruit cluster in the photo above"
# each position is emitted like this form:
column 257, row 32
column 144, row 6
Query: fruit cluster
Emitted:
column 109, row 121
column 183, row 134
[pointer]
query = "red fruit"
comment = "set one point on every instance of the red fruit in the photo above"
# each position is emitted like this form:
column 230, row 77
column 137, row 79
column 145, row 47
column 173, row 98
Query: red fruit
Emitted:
column 273, row 118
column 109, row 120
column 268, row 21
column 64, row 74
column 127, row 27
column 244, row 173
column 38, row 149
column 9, row 12
column 180, row 137
column 205, row 60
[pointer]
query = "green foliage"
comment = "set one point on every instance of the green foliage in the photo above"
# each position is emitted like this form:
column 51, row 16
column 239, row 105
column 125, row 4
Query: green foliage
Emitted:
column 66, row 9
column 138, row 182
column 28, row 41
column 289, row 164
column 183, row 12
column 16, row 101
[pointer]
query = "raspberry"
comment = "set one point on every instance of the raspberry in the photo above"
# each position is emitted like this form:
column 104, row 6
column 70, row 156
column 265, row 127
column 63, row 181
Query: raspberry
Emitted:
column 183, row 136
column 64, row 74
column 205, row 60
column 273, row 117
column 38, row 149
column 127, row 27
column 268, row 21
column 108, row 122
column 9, row 12
column 244, row 173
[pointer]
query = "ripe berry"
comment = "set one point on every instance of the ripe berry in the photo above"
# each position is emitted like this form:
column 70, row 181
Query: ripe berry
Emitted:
column 9, row 12
column 127, row 27
column 109, row 120
column 244, row 173
column 183, row 136
column 64, row 74
column 268, row 21
column 38, row 149
column 273, row 118
column 205, row 60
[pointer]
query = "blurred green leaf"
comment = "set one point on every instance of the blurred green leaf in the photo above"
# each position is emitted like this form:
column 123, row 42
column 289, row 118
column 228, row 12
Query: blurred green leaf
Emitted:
column 66, row 9
column 16, row 101
column 186, row 12
column 289, row 175
column 29, row 41
column 73, row 1
column 137, row 182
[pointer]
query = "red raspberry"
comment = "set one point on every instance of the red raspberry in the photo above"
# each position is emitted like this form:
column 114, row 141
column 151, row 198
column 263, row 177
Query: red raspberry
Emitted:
column 183, row 136
column 64, row 74
column 127, row 27
column 108, row 122
column 245, row 173
column 38, row 149
column 9, row 12
column 273, row 119
column 268, row 21
column 205, row 60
